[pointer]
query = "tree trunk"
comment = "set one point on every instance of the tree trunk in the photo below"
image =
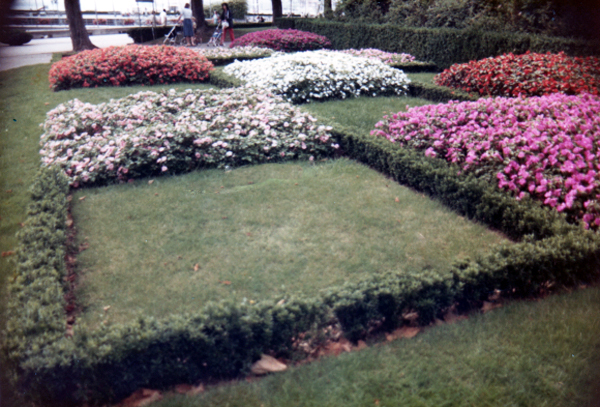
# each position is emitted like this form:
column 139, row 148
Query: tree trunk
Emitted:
column 277, row 9
column 79, row 36
column 198, row 12
column 327, row 9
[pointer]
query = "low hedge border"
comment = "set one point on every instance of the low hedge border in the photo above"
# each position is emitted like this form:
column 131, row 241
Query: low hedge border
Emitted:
column 223, row 339
column 416, row 66
column 144, row 34
column 222, row 80
column 443, row 46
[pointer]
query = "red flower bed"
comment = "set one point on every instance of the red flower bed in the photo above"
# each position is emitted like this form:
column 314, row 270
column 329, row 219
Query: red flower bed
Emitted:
column 283, row 40
column 128, row 65
column 528, row 74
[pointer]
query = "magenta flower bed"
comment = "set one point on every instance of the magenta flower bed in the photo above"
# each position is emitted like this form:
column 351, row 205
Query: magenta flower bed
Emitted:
column 283, row 40
column 545, row 147
column 529, row 74
column 129, row 65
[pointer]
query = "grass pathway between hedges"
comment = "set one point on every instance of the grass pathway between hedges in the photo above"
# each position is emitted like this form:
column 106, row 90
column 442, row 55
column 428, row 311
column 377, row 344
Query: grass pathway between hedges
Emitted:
column 543, row 353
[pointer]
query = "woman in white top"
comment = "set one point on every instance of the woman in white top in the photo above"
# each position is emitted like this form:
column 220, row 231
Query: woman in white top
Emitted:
column 188, row 25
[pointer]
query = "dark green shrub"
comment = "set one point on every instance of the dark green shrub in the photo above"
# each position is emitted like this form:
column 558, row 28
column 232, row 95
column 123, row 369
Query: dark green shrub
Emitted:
column 442, row 46
column 145, row 34
column 14, row 37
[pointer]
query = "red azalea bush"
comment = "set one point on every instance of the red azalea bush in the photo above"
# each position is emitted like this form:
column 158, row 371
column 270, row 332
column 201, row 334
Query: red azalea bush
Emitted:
column 544, row 147
column 529, row 74
column 283, row 40
column 128, row 65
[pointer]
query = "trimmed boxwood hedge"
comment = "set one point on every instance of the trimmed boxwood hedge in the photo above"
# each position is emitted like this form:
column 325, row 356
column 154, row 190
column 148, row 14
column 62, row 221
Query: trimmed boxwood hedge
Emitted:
column 223, row 339
column 443, row 46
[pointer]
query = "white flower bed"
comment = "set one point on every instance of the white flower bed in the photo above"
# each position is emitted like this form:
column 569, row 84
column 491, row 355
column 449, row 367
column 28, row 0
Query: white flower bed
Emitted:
column 303, row 76
column 385, row 57
column 149, row 133
column 237, row 52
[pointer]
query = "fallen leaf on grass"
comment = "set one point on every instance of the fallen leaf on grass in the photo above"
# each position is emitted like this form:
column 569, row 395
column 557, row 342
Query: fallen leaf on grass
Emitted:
column 196, row 267
column 224, row 217
column 397, row 199
column 8, row 253
column 404, row 332
column 226, row 282
column 156, row 194
column 22, row 224
column 488, row 306
column 9, row 191
column 248, row 234
column 82, row 198
column 141, row 398
column 267, row 364
column 150, row 182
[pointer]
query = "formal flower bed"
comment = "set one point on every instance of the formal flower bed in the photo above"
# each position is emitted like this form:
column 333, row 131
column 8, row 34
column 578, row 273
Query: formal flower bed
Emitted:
column 529, row 74
column 127, row 65
column 385, row 57
column 303, row 76
column 283, row 40
column 237, row 52
column 544, row 147
column 149, row 133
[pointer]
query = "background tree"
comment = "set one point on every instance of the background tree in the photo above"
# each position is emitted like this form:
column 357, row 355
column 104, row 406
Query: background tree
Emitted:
column 198, row 12
column 277, row 9
column 327, row 9
column 79, row 35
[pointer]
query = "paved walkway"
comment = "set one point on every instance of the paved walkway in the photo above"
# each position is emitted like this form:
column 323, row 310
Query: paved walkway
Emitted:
column 40, row 51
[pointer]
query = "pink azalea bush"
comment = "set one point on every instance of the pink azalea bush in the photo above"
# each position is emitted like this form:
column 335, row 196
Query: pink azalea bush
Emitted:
column 283, row 40
column 544, row 147
column 529, row 74
column 385, row 57
column 128, row 65
column 170, row 132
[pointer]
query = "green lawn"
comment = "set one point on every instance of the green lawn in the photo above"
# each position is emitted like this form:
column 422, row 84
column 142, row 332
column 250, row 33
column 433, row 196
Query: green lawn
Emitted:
column 265, row 230
column 528, row 354
column 543, row 353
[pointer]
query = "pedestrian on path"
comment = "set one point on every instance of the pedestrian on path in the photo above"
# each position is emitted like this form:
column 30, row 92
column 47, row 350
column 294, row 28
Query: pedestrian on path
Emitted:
column 227, row 22
column 188, row 25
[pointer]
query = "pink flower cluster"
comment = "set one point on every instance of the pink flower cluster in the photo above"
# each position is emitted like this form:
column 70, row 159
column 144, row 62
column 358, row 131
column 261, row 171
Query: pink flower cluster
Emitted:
column 544, row 147
column 283, row 40
column 127, row 65
column 385, row 57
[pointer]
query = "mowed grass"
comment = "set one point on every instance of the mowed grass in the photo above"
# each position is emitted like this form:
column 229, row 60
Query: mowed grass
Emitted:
column 528, row 354
column 361, row 113
column 25, row 97
column 256, row 233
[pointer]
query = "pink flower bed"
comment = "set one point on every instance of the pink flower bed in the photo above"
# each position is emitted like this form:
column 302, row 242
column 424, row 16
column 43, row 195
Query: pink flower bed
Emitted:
column 128, row 65
column 544, row 147
column 529, row 74
column 283, row 40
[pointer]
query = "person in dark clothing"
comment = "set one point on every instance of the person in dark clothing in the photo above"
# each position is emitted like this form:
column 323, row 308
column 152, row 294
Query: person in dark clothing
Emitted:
column 227, row 22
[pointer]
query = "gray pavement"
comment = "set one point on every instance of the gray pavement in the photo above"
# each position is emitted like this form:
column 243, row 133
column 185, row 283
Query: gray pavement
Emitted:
column 40, row 51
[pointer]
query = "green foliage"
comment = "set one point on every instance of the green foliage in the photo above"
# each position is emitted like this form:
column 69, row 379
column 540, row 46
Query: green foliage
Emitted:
column 14, row 36
column 222, row 80
column 442, row 46
column 548, row 17
column 145, row 34
column 223, row 339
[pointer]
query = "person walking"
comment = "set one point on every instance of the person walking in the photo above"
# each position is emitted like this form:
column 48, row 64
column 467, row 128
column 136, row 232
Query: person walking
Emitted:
column 188, row 25
column 163, row 18
column 227, row 23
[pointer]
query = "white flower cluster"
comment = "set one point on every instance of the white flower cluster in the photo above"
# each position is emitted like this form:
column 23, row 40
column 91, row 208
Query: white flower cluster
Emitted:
column 149, row 133
column 303, row 76
column 236, row 52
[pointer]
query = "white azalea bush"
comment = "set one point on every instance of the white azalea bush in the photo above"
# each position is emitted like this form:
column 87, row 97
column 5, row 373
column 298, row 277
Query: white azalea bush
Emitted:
column 303, row 76
column 248, row 52
column 170, row 132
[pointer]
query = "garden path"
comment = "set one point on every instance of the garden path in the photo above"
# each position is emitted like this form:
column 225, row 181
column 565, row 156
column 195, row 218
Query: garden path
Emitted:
column 39, row 51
